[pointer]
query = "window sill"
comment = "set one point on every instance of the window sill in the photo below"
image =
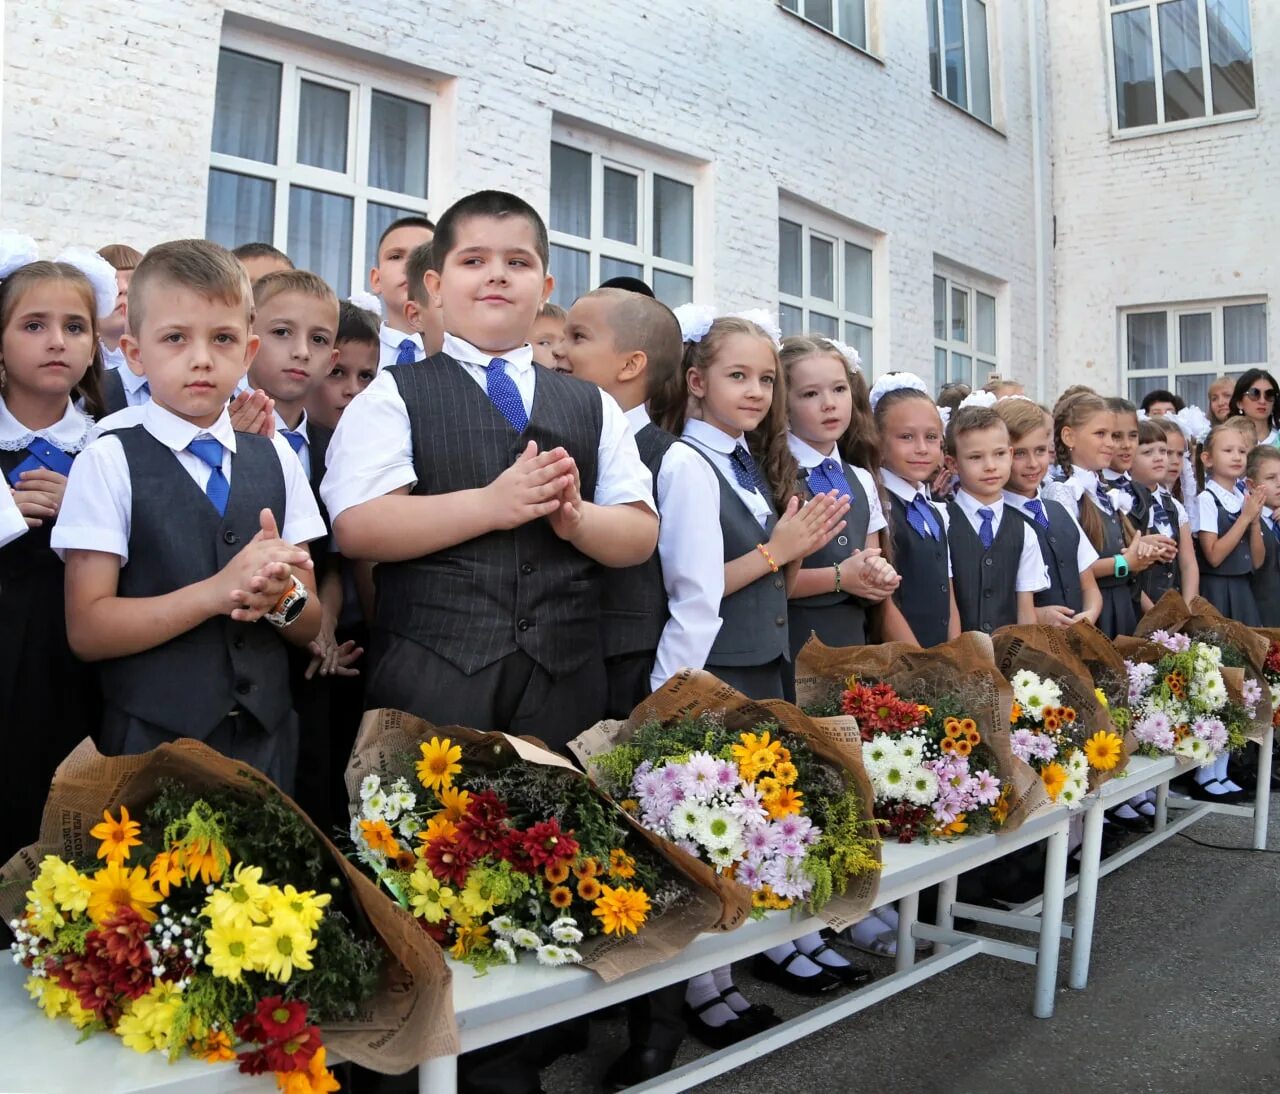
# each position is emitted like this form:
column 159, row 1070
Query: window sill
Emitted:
column 831, row 34
column 1138, row 132
column 939, row 97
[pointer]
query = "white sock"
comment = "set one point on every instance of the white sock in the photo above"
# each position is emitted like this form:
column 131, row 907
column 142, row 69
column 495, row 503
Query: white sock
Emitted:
column 865, row 932
column 1125, row 812
column 701, row 990
column 888, row 915
column 1204, row 774
column 829, row 957
column 800, row 966
column 1221, row 768
column 729, row 990
column 1136, row 801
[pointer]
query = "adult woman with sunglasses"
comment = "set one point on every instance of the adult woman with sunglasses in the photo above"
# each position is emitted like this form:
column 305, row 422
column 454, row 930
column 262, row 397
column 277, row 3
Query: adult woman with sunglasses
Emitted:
column 1255, row 398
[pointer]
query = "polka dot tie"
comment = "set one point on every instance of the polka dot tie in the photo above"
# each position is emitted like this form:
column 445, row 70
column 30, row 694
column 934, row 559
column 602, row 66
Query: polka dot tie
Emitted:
column 1036, row 509
column 408, row 352
column 985, row 532
column 504, row 394
column 828, row 476
column 745, row 469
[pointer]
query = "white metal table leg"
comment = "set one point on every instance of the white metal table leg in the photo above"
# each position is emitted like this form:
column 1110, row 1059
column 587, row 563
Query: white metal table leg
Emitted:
column 439, row 1075
column 1055, row 876
column 1162, row 806
column 945, row 917
column 1262, row 795
column 1086, row 896
column 908, row 911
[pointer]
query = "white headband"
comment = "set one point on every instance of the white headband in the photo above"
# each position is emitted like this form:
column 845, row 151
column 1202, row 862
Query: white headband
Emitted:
column 101, row 275
column 1193, row 422
column 767, row 321
column 16, row 251
column 896, row 381
column 849, row 354
column 366, row 300
column 695, row 320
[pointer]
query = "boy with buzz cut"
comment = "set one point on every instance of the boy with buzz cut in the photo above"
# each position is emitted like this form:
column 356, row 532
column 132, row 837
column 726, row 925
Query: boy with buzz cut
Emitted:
column 260, row 259
column 424, row 314
column 184, row 541
column 488, row 491
column 401, row 344
column 985, row 547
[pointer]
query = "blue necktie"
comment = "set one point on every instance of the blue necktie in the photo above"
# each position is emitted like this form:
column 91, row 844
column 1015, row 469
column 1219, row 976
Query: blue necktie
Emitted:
column 504, row 394
column 41, row 454
column 828, row 476
column 217, row 489
column 296, row 440
column 1036, row 509
column 985, row 533
column 1163, row 514
column 745, row 469
column 408, row 352
column 921, row 519
column 144, row 392
column 1104, row 502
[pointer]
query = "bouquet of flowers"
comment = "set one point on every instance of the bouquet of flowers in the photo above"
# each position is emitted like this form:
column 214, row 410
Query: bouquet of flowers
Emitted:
column 502, row 849
column 772, row 800
column 206, row 916
column 1271, row 672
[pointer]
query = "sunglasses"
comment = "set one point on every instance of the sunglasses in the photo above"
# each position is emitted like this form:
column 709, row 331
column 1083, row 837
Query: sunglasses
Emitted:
column 1257, row 393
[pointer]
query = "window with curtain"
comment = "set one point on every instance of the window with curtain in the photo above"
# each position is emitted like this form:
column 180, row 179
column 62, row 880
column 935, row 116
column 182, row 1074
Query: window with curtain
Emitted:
column 619, row 213
column 959, row 56
column 1178, row 62
column 312, row 158
column 825, row 272
column 845, row 19
column 964, row 332
column 1184, row 349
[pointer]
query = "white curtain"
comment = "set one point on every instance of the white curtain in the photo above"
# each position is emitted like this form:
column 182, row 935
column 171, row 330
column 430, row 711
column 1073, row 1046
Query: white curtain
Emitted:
column 398, row 144
column 320, row 235
column 246, row 112
column 322, row 126
column 1244, row 334
column 240, row 209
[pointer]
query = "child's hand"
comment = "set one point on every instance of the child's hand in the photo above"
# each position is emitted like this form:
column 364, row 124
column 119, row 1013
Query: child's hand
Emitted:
column 1253, row 504
column 867, row 575
column 328, row 656
column 566, row 520
column 1056, row 615
column 1165, row 547
column 801, row 531
column 253, row 412
column 38, row 495
column 251, row 583
column 944, row 484
column 531, row 487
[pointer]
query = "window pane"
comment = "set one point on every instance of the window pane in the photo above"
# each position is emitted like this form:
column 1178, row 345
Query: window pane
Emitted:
column 320, row 235
column 984, row 322
column 961, row 368
column 790, row 277
column 1230, row 55
column 672, row 289
column 1195, row 337
column 791, row 320
column 818, row 11
column 939, row 368
column 1195, row 389
column 935, row 57
column 979, row 64
column 853, row 22
column 1140, row 385
column 953, row 37
column 822, row 268
column 615, row 267
column 246, row 108
column 240, row 209
column 399, row 139
column 376, row 219
column 1244, row 334
column 940, row 308
column 1148, row 335
column 1180, row 57
column 859, row 337
column 959, row 315
column 857, row 279
column 825, row 325
column 571, row 269
column 791, row 5
column 621, row 201
column 672, row 220
column 570, row 191
column 1135, row 68
column 322, row 126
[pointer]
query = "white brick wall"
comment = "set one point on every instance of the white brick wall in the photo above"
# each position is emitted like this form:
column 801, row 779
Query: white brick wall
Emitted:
column 108, row 115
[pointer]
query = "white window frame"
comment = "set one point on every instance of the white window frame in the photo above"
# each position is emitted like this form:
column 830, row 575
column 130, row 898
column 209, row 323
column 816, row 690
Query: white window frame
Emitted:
column 941, row 92
column 973, row 285
column 1162, row 126
column 1175, row 368
column 798, row 9
column 836, row 231
column 360, row 81
column 644, row 164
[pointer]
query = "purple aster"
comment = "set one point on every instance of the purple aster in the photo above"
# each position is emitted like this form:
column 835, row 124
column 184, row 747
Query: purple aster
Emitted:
column 987, row 791
column 748, row 874
column 1024, row 743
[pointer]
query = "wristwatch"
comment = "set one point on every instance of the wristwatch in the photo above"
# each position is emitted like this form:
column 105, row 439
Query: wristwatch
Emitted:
column 289, row 606
column 1122, row 567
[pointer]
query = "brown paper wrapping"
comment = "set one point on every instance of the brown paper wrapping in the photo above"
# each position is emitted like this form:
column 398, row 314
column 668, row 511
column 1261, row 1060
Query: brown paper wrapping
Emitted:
column 386, row 737
column 411, row 1016
column 692, row 692
column 963, row 668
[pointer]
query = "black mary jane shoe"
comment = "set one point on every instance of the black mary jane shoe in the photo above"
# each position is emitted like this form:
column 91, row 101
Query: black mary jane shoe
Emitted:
column 777, row 972
column 849, row 974
column 1201, row 793
column 717, row 1037
column 1137, row 823
column 639, row 1064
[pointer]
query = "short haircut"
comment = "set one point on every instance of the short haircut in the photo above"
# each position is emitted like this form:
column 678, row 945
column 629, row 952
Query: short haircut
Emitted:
column 552, row 311
column 202, row 267
column 1258, row 455
column 971, row 419
column 414, row 221
column 1150, row 432
column 262, row 250
column 271, row 285
column 953, row 394
column 1162, row 396
column 1117, row 405
column 639, row 322
column 356, row 324
column 121, row 256
column 418, row 264
column 496, row 204
column 631, row 284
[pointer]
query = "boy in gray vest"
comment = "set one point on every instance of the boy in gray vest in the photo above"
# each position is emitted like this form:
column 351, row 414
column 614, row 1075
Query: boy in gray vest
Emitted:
column 489, row 491
column 187, row 570
column 985, row 547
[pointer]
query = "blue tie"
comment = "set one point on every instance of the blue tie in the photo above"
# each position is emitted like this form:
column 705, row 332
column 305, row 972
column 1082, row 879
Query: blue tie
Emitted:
column 828, row 476
column 144, row 392
column 985, row 532
column 296, row 440
column 41, row 454
column 1104, row 502
column 1036, row 509
column 408, row 352
column 504, row 394
column 921, row 518
column 745, row 469
column 217, row 489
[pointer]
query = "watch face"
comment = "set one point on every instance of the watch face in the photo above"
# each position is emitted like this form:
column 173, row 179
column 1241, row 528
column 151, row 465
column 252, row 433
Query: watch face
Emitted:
column 294, row 608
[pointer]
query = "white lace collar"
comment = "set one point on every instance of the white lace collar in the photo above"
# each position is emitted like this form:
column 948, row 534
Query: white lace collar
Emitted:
column 70, row 433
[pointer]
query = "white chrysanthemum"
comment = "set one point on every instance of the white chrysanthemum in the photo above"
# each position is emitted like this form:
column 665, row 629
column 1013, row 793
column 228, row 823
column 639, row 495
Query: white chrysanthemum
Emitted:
column 1078, row 762
column 1192, row 748
column 686, row 818
column 893, row 780
column 506, row 951
column 1073, row 791
column 369, row 786
column 910, row 748
column 525, row 938
column 880, row 752
column 922, row 787
column 1024, row 680
column 1210, row 690
column 502, row 925
column 719, row 829
column 723, row 857
column 553, row 955
column 566, row 931
column 409, row 826
column 375, row 806
column 1275, row 695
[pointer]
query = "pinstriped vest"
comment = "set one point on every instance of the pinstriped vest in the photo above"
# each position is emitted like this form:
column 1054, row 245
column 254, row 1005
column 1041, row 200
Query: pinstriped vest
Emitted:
column 521, row 589
column 1060, row 546
column 986, row 597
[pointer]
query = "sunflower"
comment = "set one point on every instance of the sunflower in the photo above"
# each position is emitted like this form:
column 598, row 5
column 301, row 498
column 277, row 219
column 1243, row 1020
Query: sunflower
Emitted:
column 621, row 865
column 561, row 897
column 117, row 836
column 454, row 801
column 589, row 888
column 166, row 872
column 785, row 801
column 556, row 872
column 622, row 910
column 439, row 763
column 1104, row 750
column 116, row 886
column 1054, row 776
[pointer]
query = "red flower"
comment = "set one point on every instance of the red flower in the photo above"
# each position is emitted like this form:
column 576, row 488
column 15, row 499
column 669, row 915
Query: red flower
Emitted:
column 483, row 828
column 295, row 1053
column 279, row 1020
column 1273, row 658
column 547, row 845
column 879, row 709
column 122, row 939
column 448, row 861
column 253, row 1063
column 115, row 965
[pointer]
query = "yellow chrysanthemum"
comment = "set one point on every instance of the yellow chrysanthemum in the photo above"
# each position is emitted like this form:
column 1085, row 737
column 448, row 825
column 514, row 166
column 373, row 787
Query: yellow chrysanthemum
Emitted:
column 57, row 1001
column 759, row 752
column 118, row 836
column 1102, row 698
column 438, row 827
column 477, row 895
column 957, row 827
column 166, row 872
column 454, row 801
column 306, row 908
column 1104, row 750
column 61, row 885
column 439, row 763
column 785, row 773
column 227, row 950
column 147, row 1022
column 241, row 901
column 621, row 864
column 469, row 939
column 279, row 947
column 204, row 858
column 115, row 886
column 430, row 900
column 379, row 838
column 622, row 910
column 1054, row 777
column 782, row 803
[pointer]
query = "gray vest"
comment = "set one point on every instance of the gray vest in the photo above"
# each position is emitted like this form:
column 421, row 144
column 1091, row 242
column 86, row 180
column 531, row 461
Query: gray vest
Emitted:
column 635, row 598
column 924, row 594
column 113, row 393
column 1060, row 546
column 986, row 595
column 1158, row 579
column 1240, row 561
column 1265, row 580
column 176, row 538
column 1112, row 544
column 521, row 589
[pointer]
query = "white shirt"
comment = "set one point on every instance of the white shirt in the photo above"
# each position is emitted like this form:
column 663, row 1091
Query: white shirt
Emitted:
column 134, row 393
column 389, row 345
column 1069, row 491
column 371, row 453
column 1232, row 501
column 719, row 446
column 12, row 523
column 97, row 506
column 1086, row 556
column 691, row 549
column 304, row 453
column 1032, row 576
column 112, row 358
column 121, row 419
column 1188, row 479
column 70, row 433
column 808, row 457
column 904, row 491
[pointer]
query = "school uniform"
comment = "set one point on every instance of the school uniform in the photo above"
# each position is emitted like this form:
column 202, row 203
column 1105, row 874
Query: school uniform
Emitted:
column 752, row 650
column 1265, row 580
column 147, row 495
column 122, row 387
column 500, row 632
column 112, row 359
column 922, row 558
column 1065, row 548
column 1227, row 586
column 986, row 547
column 664, row 615
column 395, row 347
column 48, row 698
column 838, row 619
column 1139, row 496
column 1165, row 517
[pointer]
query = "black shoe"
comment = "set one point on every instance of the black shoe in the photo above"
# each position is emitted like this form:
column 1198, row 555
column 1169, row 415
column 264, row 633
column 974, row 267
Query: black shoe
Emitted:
column 639, row 1063
column 1114, row 838
column 1138, row 823
column 733, row 1031
column 776, row 972
column 850, row 975
column 563, row 1039
column 1201, row 793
